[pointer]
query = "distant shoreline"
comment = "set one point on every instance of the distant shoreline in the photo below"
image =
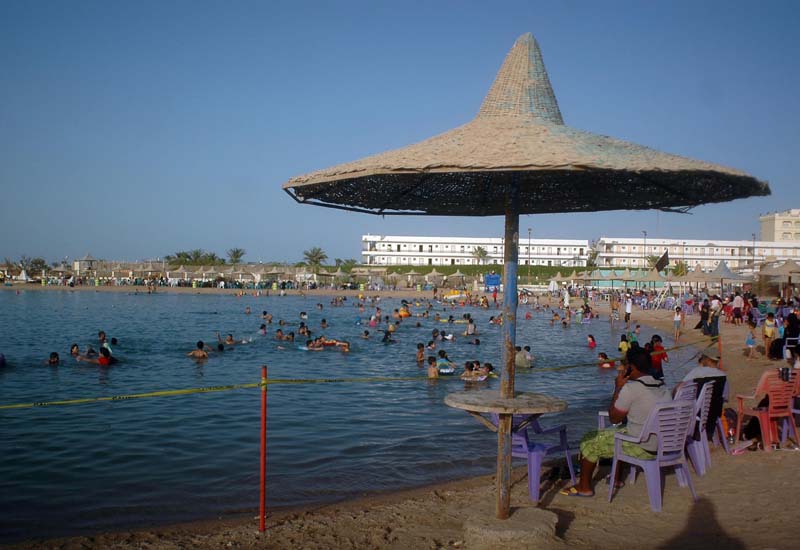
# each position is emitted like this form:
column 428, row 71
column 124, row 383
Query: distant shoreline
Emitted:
column 130, row 289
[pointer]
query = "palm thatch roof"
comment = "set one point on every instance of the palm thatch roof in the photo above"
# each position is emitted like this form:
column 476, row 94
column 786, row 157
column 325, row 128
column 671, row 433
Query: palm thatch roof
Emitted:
column 519, row 138
column 723, row 272
column 787, row 269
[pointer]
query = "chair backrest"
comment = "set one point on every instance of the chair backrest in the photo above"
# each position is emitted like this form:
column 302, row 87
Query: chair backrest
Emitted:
column 671, row 423
column 780, row 393
column 687, row 392
column 703, row 405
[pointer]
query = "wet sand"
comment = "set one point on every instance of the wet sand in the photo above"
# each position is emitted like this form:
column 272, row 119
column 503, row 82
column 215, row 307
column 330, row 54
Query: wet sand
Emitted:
column 744, row 501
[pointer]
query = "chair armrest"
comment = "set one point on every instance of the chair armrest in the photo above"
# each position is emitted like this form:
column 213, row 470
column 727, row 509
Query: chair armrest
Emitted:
column 626, row 437
column 743, row 397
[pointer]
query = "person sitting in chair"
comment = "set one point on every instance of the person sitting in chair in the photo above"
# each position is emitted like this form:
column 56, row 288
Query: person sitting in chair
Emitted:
column 636, row 394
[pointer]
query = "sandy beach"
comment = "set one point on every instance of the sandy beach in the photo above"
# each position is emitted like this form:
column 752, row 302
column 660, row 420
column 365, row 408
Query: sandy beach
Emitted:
column 741, row 504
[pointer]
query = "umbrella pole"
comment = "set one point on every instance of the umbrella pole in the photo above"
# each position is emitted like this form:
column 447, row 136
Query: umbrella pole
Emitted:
column 510, row 258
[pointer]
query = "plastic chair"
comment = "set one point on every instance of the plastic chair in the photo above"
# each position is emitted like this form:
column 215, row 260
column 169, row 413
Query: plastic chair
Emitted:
column 522, row 446
column 789, row 343
column 686, row 392
column 779, row 406
column 671, row 423
column 795, row 409
column 698, row 450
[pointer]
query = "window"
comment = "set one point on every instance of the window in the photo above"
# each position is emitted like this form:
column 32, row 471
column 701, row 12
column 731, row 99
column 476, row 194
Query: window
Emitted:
column 420, row 248
column 787, row 224
column 786, row 236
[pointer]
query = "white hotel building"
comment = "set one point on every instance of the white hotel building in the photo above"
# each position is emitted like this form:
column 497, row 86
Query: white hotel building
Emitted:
column 388, row 250
column 622, row 252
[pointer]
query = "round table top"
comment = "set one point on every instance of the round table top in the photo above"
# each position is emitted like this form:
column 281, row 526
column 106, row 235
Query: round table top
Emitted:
column 489, row 401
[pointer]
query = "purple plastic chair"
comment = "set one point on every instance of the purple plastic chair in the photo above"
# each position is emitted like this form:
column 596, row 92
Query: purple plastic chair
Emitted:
column 522, row 446
column 687, row 392
column 671, row 423
column 699, row 451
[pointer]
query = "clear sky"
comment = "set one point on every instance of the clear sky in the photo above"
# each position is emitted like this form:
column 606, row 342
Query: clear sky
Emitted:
column 135, row 129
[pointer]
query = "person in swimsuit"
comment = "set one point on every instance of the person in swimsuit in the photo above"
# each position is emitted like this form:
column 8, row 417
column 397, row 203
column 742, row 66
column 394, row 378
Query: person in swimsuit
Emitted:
column 200, row 352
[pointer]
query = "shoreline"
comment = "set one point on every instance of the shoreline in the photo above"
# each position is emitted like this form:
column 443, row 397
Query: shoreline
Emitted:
column 405, row 292
column 433, row 516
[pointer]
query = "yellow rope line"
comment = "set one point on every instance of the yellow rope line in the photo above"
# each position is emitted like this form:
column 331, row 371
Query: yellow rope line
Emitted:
column 271, row 381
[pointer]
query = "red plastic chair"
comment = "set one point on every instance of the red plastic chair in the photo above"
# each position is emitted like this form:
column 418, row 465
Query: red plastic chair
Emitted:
column 779, row 406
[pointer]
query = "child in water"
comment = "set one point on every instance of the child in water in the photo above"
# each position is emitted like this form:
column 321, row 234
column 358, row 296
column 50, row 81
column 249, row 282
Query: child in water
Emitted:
column 420, row 353
column 604, row 362
column 444, row 364
column 624, row 346
column 591, row 341
column 433, row 371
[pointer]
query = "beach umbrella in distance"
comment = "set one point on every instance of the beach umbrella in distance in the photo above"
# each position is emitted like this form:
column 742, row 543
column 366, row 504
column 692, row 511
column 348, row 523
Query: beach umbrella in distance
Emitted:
column 786, row 271
column 517, row 157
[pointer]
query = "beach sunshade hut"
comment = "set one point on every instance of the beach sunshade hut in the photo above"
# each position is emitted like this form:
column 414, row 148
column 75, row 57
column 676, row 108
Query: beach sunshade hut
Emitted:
column 786, row 271
column 517, row 157
column 558, row 278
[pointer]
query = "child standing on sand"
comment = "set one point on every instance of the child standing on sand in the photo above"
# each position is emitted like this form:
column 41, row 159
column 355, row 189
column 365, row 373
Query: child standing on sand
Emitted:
column 750, row 341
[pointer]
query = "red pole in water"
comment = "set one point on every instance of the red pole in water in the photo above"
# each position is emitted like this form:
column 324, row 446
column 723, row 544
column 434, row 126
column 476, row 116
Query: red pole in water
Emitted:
column 262, row 501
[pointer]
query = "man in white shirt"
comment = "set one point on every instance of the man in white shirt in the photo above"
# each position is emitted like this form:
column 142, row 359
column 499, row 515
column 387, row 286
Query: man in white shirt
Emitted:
column 635, row 396
column 628, row 310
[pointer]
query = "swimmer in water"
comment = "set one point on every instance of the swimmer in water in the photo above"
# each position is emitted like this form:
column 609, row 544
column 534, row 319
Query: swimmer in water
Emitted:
column 74, row 350
column 104, row 360
column 247, row 310
column 200, row 352
column 365, row 336
column 433, row 372
column 324, row 324
column 54, row 360
column 420, row 353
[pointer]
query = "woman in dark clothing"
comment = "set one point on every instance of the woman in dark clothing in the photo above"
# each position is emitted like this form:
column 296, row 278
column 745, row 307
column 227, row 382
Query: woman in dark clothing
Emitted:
column 705, row 312
column 791, row 329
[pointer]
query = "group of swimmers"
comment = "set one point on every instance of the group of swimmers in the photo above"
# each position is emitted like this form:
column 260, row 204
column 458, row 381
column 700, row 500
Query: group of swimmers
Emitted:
column 103, row 356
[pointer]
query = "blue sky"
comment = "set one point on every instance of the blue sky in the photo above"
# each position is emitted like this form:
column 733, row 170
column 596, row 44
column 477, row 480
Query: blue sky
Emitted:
column 135, row 129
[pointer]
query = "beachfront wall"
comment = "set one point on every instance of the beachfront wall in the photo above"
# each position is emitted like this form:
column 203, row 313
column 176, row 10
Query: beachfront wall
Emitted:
column 744, row 256
column 391, row 250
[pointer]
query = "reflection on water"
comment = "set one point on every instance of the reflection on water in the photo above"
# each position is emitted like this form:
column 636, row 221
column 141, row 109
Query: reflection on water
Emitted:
column 123, row 463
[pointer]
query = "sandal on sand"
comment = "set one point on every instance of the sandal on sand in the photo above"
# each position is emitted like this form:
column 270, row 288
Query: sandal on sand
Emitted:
column 573, row 492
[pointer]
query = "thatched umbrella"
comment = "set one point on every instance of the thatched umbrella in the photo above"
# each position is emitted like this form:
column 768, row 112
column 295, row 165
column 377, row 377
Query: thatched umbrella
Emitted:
column 517, row 157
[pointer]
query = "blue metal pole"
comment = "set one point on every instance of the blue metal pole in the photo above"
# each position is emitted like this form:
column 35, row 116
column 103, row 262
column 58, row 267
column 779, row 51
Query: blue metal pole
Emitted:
column 510, row 257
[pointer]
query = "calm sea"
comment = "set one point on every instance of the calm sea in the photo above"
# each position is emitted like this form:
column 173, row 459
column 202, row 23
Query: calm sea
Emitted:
column 86, row 468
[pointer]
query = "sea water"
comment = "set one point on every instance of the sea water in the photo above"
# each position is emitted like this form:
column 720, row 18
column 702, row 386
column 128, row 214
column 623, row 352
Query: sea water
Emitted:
column 110, row 465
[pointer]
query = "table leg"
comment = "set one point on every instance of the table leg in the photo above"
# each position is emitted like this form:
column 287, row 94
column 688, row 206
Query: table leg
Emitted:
column 503, row 481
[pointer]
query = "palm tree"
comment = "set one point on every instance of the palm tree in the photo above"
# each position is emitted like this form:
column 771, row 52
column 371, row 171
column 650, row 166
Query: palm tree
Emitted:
column 680, row 269
column 235, row 255
column 196, row 256
column 314, row 257
column 480, row 254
